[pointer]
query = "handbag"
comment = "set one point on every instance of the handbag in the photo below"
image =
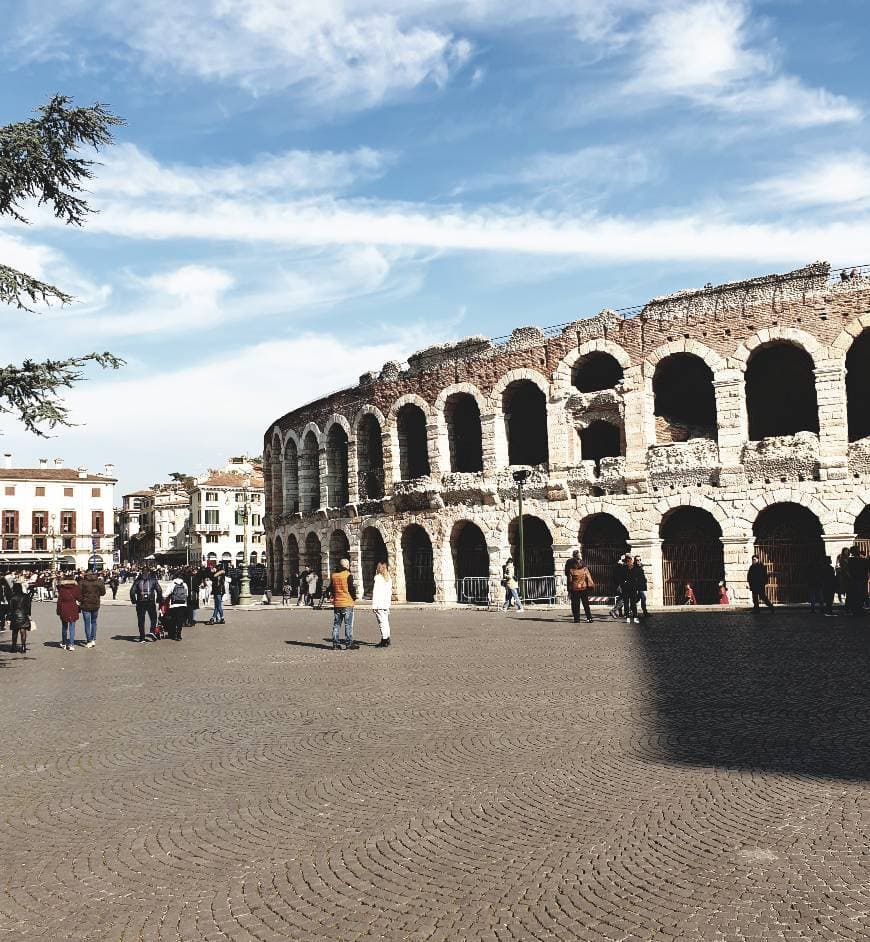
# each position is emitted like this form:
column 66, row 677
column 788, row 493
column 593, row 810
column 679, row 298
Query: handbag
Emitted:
column 33, row 625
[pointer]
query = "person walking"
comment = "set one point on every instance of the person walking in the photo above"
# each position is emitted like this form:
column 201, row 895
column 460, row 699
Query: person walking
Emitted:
column 640, row 577
column 343, row 600
column 145, row 594
column 303, row 587
column 724, row 598
column 829, row 587
column 756, row 579
column 69, row 603
column 176, row 614
column 510, row 586
column 580, row 584
column 113, row 584
column 628, row 590
column 689, row 595
column 382, row 600
column 5, row 598
column 93, row 589
column 856, row 582
column 218, row 586
column 842, row 570
column 312, row 582
column 19, row 617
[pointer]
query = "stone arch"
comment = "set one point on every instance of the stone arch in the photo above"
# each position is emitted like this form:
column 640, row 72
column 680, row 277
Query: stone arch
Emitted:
column 267, row 479
column 715, row 361
column 291, row 550
column 780, row 390
column 512, row 376
column 831, row 520
column 847, row 336
column 692, row 554
column 309, row 470
column 290, row 474
column 276, row 564
column 412, row 439
column 373, row 550
column 683, row 396
column 368, row 431
column 603, row 539
column 339, row 548
column 276, row 474
column 538, row 545
column 600, row 439
column 788, row 540
column 336, row 447
column 419, row 564
column 727, row 524
column 524, row 414
column 456, row 453
column 313, row 553
column 270, row 563
column 564, row 371
column 798, row 338
column 858, row 386
column 470, row 554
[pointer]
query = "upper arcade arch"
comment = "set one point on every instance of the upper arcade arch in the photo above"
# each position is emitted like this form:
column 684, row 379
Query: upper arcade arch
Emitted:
column 563, row 373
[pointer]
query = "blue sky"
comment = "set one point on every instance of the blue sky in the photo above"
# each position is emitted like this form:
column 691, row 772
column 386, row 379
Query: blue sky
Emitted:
column 307, row 189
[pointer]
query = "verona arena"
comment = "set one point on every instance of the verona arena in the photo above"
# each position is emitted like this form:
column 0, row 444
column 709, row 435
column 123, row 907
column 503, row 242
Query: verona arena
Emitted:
column 696, row 429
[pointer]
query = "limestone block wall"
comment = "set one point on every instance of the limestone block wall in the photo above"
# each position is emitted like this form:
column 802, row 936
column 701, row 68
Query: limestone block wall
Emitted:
column 708, row 495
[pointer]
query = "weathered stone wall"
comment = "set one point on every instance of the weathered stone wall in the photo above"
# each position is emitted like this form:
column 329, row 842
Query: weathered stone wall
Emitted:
column 731, row 477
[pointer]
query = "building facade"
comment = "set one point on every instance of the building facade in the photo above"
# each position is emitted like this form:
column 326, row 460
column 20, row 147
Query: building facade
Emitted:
column 697, row 430
column 135, row 530
column 56, row 516
column 226, row 510
column 155, row 524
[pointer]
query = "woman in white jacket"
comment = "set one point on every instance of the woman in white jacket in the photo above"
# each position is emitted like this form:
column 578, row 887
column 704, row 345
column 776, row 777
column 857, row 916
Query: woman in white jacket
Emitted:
column 382, row 599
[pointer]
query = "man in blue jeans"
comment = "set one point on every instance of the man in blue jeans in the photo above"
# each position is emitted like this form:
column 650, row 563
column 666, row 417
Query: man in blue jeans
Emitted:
column 145, row 595
column 218, row 587
column 343, row 598
column 93, row 589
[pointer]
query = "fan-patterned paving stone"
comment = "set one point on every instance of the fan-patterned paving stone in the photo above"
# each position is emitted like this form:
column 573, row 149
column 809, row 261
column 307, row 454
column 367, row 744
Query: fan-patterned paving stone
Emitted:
column 701, row 776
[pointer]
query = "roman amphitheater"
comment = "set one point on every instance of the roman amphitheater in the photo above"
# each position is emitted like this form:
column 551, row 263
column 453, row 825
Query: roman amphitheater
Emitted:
column 696, row 429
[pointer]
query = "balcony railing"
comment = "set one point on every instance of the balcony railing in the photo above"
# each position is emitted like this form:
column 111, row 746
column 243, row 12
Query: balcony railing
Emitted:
column 212, row 528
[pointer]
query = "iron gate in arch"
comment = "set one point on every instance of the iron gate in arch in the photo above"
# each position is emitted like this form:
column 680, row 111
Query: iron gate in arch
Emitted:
column 698, row 564
column 790, row 568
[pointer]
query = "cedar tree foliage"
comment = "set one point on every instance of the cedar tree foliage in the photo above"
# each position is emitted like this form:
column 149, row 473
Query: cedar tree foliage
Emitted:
column 39, row 161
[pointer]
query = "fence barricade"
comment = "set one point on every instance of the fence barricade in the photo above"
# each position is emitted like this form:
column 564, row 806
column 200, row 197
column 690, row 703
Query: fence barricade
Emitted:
column 474, row 590
column 539, row 589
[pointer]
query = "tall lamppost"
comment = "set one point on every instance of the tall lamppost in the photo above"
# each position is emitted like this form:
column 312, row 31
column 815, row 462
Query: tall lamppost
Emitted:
column 52, row 535
column 521, row 477
column 245, row 588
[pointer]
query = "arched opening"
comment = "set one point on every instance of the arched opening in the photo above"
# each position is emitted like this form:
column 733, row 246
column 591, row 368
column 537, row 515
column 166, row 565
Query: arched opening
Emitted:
column 276, row 565
column 599, row 440
column 413, row 445
column 788, row 540
column 292, row 552
column 277, row 481
column 780, row 392
column 596, row 371
column 339, row 549
column 254, row 558
column 862, row 530
column 373, row 550
column 291, row 477
column 419, row 565
column 462, row 415
column 336, row 466
column 603, row 541
column 470, row 562
column 370, row 458
column 525, row 417
column 538, row 545
column 313, row 558
column 684, row 400
column 309, row 473
column 267, row 480
column 691, row 554
column 858, row 387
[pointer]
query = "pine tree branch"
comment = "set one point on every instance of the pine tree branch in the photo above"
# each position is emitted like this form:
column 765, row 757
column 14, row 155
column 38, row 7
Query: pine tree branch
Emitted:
column 17, row 288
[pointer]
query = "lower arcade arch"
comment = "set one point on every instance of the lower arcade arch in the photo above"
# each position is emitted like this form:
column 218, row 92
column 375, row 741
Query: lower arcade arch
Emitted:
column 603, row 541
column 313, row 553
column 419, row 564
column 862, row 530
column 373, row 550
column 276, row 564
column 292, row 554
column 470, row 561
column 788, row 540
column 339, row 549
column 692, row 554
column 538, row 547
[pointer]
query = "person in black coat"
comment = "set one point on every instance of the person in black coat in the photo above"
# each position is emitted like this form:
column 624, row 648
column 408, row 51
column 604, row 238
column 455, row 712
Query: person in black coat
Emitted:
column 19, row 617
column 756, row 578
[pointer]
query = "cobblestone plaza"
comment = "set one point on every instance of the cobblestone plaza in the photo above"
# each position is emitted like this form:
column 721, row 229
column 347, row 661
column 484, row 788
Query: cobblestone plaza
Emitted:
column 702, row 776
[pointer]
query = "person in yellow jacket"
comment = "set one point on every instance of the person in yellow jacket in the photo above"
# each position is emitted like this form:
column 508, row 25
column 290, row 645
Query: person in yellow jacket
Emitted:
column 343, row 599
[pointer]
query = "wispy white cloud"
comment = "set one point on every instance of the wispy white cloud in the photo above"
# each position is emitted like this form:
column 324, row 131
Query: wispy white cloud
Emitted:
column 706, row 51
column 836, row 180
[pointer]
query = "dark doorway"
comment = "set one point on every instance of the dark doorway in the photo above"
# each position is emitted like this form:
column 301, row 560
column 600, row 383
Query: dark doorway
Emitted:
column 684, row 399
column 462, row 415
column 596, row 371
column 691, row 554
column 525, row 416
column 370, row 458
column 419, row 565
column 858, row 387
column 373, row 550
column 600, row 440
column 781, row 392
column 788, row 540
column 309, row 473
column 538, row 546
column 313, row 557
column 413, row 444
column 604, row 541
column 470, row 562
column 336, row 467
column 339, row 549
column 292, row 560
column 291, row 477
column 276, row 564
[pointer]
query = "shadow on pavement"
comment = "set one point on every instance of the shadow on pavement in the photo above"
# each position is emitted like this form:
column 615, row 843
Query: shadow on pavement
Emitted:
column 125, row 638
column 782, row 691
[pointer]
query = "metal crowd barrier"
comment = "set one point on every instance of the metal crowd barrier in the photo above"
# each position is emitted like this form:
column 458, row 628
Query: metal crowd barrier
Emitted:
column 474, row 590
column 540, row 589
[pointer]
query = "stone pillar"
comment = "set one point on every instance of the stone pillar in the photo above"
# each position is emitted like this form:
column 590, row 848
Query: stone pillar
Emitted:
column 639, row 429
column 731, row 423
column 737, row 555
column 650, row 552
column 833, row 422
column 352, row 473
column 390, row 448
column 558, row 428
column 323, row 465
column 488, row 446
column 561, row 554
column 433, row 449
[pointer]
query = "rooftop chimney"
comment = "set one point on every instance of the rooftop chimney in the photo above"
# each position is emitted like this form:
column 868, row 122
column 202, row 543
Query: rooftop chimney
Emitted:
column 58, row 462
column 110, row 470
column 7, row 459
column 43, row 462
column 83, row 472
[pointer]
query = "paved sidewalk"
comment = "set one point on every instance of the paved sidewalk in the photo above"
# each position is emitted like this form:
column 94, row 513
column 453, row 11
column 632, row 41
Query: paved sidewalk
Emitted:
column 702, row 776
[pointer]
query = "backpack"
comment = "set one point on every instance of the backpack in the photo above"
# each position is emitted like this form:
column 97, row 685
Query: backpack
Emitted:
column 178, row 595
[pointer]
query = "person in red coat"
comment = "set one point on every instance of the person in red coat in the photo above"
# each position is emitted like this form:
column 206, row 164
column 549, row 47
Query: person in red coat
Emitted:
column 69, row 604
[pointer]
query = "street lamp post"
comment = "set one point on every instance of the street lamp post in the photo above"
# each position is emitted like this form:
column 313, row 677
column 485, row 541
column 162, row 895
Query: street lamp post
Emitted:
column 52, row 535
column 245, row 588
column 521, row 477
